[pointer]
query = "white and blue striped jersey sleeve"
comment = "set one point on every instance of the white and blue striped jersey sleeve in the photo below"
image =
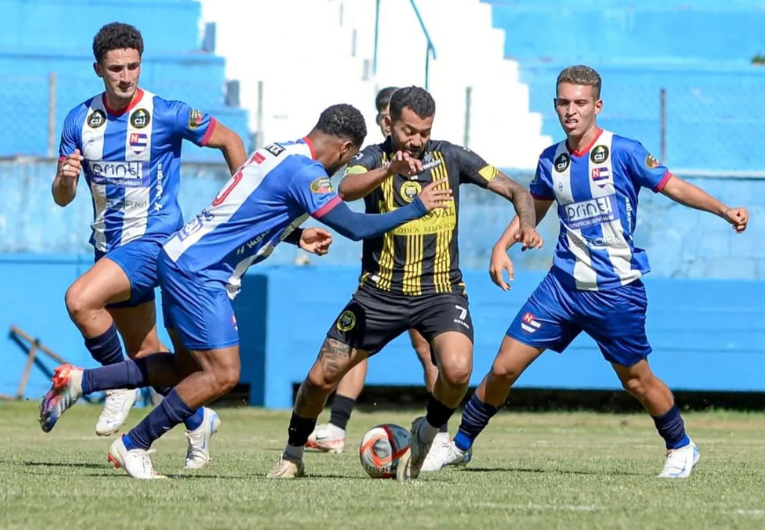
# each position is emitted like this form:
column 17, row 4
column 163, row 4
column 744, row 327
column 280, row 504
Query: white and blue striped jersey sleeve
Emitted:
column 192, row 124
column 644, row 169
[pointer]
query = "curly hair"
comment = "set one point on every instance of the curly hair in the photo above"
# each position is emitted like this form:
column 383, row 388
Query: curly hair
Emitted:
column 343, row 121
column 116, row 36
column 415, row 98
column 581, row 75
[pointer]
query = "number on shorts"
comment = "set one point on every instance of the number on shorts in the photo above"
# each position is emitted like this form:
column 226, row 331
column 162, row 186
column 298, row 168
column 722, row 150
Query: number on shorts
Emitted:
column 462, row 310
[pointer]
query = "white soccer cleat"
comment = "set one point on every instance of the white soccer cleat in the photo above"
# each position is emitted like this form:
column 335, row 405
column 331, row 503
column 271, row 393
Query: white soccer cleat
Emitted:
column 117, row 406
column 447, row 455
column 680, row 461
column 198, row 450
column 287, row 468
column 434, row 460
column 410, row 463
column 136, row 462
column 328, row 438
column 66, row 390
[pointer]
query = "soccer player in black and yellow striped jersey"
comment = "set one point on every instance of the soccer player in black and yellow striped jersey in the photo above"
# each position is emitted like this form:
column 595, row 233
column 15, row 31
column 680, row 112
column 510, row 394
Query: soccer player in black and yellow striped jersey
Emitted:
column 410, row 276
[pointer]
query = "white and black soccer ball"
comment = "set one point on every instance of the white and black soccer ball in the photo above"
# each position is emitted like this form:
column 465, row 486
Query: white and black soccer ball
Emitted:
column 381, row 448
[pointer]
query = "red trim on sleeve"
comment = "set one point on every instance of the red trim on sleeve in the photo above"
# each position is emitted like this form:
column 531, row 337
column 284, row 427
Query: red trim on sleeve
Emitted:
column 136, row 99
column 61, row 158
column 582, row 152
column 309, row 143
column 209, row 132
column 663, row 182
column 324, row 210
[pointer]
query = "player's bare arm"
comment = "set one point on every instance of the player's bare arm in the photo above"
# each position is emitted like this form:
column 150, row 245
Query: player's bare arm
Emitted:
column 356, row 186
column 687, row 194
column 524, row 208
column 230, row 144
column 67, row 175
column 500, row 261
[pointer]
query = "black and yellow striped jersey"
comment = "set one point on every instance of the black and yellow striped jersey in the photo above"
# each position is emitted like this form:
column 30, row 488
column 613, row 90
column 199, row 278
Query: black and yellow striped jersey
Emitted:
column 422, row 256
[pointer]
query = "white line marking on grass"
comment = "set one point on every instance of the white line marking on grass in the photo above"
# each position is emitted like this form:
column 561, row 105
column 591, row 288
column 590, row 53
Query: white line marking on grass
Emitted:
column 758, row 513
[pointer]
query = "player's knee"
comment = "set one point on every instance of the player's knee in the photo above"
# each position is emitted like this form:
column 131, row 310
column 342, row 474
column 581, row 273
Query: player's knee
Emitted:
column 77, row 303
column 226, row 378
column 456, row 372
column 635, row 386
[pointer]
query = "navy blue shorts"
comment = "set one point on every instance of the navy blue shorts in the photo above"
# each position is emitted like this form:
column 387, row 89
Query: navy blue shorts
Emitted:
column 200, row 312
column 138, row 260
column 554, row 315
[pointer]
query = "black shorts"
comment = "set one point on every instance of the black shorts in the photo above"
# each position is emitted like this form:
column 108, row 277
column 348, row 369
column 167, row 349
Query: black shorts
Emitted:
column 374, row 317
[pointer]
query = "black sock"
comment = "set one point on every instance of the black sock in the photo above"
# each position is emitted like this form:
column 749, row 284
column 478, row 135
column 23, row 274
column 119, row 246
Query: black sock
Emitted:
column 300, row 429
column 437, row 413
column 342, row 407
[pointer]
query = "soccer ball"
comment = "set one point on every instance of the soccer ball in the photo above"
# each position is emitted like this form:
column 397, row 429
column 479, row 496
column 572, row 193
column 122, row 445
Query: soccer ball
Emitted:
column 381, row 448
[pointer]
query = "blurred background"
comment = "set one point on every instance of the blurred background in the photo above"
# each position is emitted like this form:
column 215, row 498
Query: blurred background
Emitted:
column 685, row 77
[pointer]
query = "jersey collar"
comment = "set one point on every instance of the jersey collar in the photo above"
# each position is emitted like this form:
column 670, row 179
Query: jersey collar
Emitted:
column 583, row 152
column 309, row 143
column 136, row 99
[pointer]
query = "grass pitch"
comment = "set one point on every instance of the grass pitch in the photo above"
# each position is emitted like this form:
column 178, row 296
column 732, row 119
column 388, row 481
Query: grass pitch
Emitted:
column 547, row 471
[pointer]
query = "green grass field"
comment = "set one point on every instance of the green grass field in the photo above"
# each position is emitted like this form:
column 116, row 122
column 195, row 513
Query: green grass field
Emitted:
column 547, row 471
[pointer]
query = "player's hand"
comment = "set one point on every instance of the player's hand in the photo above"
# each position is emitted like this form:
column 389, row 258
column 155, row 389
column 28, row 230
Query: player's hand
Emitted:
column 738, row 217
column 434, row 198
column 72, row 166
column 403, row 164
column 316, row 241
column 529, row 238
column 499, row 263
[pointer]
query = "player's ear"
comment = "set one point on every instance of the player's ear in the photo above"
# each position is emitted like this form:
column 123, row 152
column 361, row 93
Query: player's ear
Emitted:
column 387, row 122
column 598, row 106
column 97, row 69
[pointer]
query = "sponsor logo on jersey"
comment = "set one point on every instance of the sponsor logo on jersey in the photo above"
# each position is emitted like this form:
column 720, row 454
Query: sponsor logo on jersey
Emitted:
column 124, row 174
column 562, row 162
column 195, row 118
column 651, row 161
column 588, row 213
column 599, row 155
column 321, row 186
column 96, row 119
column 140, row 118
column 274, row 149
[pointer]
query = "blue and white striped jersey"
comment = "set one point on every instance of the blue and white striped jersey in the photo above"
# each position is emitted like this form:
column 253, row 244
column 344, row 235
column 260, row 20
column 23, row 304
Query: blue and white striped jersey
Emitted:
column 597, row 194
column 271, row 195
column 132, row 163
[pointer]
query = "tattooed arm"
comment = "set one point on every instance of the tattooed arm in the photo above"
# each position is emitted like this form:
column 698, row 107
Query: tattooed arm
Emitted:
column 524, row 208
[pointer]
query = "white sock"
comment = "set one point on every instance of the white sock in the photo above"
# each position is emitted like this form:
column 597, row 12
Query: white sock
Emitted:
column 294, row 453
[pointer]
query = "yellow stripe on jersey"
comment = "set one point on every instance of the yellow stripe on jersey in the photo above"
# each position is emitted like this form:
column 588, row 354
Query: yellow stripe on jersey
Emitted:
column 443, row 259
column 488, row 172
column 388, row 251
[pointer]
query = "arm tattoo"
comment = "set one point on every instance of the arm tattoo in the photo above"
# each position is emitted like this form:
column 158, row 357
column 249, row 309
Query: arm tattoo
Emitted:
column 515, row 193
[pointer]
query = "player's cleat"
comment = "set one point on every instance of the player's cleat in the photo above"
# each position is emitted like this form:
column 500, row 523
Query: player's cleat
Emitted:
column 328, row 438
column 117, row 406
column 447, row 455
column 66, row 390
column 410, row 463
column 433, row 462
column 135, row 462
column 198, row 450
column 287, row 468
column 680, row 461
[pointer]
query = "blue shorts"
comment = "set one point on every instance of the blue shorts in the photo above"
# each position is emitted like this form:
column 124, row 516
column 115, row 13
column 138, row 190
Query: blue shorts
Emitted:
column 200, row 312
column 554, row 315
column 138, row 260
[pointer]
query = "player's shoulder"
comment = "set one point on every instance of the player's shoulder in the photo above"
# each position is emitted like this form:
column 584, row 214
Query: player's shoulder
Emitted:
column 78, row 113
column 371, row 156
column 549, row 152
column 448, row 149
column 161, row 105
column 623, row 144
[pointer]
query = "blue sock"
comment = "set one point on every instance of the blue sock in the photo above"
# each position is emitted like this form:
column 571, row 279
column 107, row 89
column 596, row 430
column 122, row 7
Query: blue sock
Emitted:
column 126, row 374
column 105, row 349
column 475, row 418
column 192, row 422
column 171, row 412
column 672, row 428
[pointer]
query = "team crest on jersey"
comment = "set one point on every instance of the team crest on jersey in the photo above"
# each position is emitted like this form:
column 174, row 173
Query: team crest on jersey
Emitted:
column 347, row 321
column 600, row 176
column 651, row 161
column 321, row 185
column 138, row 142
column 410, row 190
column 599, row 155
column 140, row 118
column 96, row 119
column 195, row 118
column 562, row 162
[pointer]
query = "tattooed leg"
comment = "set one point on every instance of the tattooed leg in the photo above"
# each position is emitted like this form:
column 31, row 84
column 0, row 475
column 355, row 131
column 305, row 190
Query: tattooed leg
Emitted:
column 334, row 361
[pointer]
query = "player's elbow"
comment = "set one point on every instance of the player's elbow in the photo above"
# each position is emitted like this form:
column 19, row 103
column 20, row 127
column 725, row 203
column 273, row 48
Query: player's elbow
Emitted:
column 346, row 191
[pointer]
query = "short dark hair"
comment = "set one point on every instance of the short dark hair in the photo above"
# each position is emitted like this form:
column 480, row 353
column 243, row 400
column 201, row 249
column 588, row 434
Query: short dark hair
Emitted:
column 580, row 75
column 415, row 98
column 116, row 36
column 383, row 97
column 343, row 121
